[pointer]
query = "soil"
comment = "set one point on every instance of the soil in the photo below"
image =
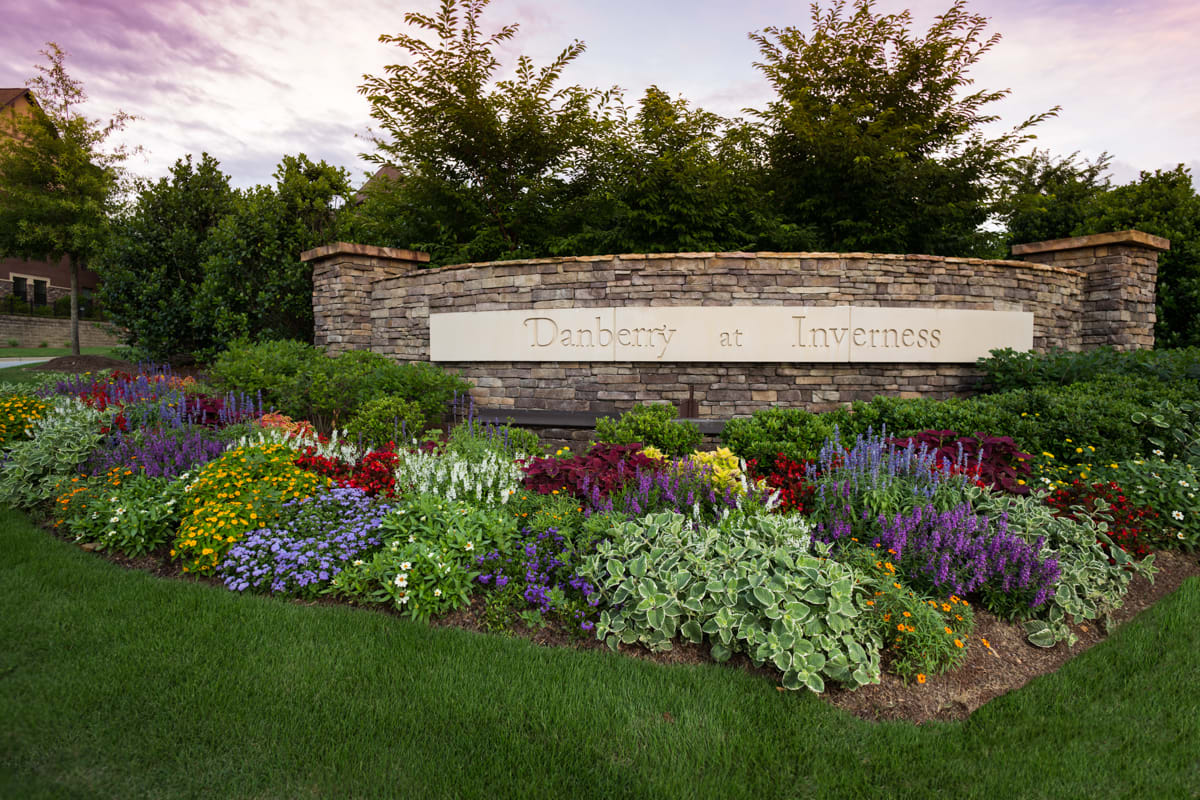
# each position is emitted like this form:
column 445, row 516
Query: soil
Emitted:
column 82, row 364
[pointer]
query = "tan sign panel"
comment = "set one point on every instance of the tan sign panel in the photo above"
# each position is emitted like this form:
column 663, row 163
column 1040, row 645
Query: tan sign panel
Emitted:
column 782, row 334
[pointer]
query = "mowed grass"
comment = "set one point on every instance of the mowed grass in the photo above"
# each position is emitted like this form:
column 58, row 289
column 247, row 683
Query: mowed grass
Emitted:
column 114, row 683
column 53, row 352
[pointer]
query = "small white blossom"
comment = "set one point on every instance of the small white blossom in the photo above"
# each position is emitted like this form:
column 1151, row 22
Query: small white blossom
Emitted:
column 437, row 592
column 1177, row 515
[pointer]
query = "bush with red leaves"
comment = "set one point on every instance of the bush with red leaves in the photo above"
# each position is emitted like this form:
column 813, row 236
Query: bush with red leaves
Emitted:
column 602, row 470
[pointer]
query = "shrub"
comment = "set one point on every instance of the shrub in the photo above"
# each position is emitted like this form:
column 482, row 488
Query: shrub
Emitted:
column 120, row 510
column 300, row 381
column 306, row 546
column 1006, row 370
column 17, row 416
column 374, row 473
column 651, row 425
column 794, row 433
column 754, row 587
column 386, row 419
column 1170, row 489
column 791, row 479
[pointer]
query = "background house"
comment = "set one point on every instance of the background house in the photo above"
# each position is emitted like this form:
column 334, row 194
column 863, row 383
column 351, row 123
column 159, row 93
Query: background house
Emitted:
column 35, row 283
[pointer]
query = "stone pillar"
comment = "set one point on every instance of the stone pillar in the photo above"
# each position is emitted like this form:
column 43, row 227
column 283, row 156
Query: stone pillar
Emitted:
column 1120, row 271
column 344, row 276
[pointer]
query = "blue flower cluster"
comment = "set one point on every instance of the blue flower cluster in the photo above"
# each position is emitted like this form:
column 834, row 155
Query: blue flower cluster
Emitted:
column 545, row 569
column 310, row 544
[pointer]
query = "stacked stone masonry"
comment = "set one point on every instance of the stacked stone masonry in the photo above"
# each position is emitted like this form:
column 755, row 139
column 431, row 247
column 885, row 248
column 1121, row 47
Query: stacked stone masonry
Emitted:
column 1082, row 294
column 32, row 331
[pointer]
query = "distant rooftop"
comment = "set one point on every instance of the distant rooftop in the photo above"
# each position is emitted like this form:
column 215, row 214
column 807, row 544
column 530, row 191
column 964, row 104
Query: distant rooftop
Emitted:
column 10, row 96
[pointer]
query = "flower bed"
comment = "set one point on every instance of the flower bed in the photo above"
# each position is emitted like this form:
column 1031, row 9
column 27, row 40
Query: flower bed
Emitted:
column 832, row 565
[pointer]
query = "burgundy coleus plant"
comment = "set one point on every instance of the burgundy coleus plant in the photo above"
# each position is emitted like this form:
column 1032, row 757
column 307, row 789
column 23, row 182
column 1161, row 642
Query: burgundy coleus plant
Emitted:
column 993, row 461
column 607, row 467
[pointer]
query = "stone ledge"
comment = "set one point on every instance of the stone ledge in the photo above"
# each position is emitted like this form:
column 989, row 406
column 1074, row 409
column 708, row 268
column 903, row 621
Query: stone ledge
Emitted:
column 1094, row 240
column 372, row 251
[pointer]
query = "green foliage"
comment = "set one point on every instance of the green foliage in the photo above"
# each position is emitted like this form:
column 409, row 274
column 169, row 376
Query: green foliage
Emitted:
column 1042, row 418
column 481, row 162
column 195, row 265
column 128, row 514
column 1089, row 587
column 1172, row 429
column 1006, row 369
column 255, row 285
column 300, row 381
column 154, row 259
column 62, row 440
column 1171, row 488
column 755, row 588
column 473, row 440
column 653, row 426
column 386, row 419
column 874, row 138
column 428, row 562
column 58, row 185
column 792, row 432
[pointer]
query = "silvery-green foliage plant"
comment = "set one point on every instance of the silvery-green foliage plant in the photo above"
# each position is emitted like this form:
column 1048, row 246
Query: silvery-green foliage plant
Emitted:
column 62, row 440
column 487, row 479
column 1089, row 587
column 756, row 585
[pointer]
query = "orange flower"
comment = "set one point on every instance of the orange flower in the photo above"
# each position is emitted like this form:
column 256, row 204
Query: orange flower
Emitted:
column 985, row 643
column 920, row 677
column 949, row 632
column 907, row 614
column 958, row 643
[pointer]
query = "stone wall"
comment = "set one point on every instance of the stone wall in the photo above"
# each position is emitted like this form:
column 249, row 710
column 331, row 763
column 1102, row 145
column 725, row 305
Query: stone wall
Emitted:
column 1080, row 294
column 32, row 331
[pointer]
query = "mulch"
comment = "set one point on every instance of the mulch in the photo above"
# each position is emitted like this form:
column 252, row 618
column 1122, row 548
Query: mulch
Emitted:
column 81, row 364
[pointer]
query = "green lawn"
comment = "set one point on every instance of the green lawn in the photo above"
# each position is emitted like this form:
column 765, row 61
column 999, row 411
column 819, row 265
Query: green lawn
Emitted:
column 117, row 684
column 52, row 352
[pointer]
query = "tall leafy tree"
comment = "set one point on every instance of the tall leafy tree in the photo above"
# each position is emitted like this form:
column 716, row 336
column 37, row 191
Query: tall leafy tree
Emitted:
column 482, row 161
column 255, row 286
column 58, row 186
column 875, row 137
column 153, row 262
column 1044, row 197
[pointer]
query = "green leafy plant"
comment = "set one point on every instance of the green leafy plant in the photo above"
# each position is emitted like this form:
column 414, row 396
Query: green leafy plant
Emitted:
column 62, row 440
column 653, row 426
column 121, row 511
column 1172, row 488
column 386, row 419
column 753, row 585
column 429, row 558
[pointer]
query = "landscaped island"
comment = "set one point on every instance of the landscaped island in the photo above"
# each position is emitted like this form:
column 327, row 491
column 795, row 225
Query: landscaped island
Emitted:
column 826, row 548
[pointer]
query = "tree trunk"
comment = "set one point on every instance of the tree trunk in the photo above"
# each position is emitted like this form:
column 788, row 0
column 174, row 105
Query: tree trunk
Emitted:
column 74, row 305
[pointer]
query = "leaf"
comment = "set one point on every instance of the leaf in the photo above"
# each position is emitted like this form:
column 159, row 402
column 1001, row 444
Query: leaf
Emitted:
column 692, row 632
column 720, row 653
column 764, row 596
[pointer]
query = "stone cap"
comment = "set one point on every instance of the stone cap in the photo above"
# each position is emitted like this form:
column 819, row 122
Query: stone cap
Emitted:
column 1137, row 238
column 349, row 249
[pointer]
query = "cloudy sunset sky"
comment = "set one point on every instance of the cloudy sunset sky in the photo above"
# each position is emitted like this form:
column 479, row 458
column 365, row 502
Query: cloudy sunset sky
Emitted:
column 250, row 80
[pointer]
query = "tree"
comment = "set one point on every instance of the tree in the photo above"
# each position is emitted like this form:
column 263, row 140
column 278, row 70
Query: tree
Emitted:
column 874, row 139
column 153, row 261
column 57, row 186
column 1044, row 198
column 675, row 179
column 255, row 286
column 482, row 162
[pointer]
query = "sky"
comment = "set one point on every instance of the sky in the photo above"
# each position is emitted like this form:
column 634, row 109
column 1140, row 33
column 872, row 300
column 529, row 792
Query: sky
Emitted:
column 249, row 81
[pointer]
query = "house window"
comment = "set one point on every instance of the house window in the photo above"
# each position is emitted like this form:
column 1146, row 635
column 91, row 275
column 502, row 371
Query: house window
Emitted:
column 39, row 292
column 19, row 286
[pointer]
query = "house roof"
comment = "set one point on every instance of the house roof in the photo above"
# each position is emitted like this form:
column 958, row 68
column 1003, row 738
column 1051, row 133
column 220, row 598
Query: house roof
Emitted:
column 10, row 96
